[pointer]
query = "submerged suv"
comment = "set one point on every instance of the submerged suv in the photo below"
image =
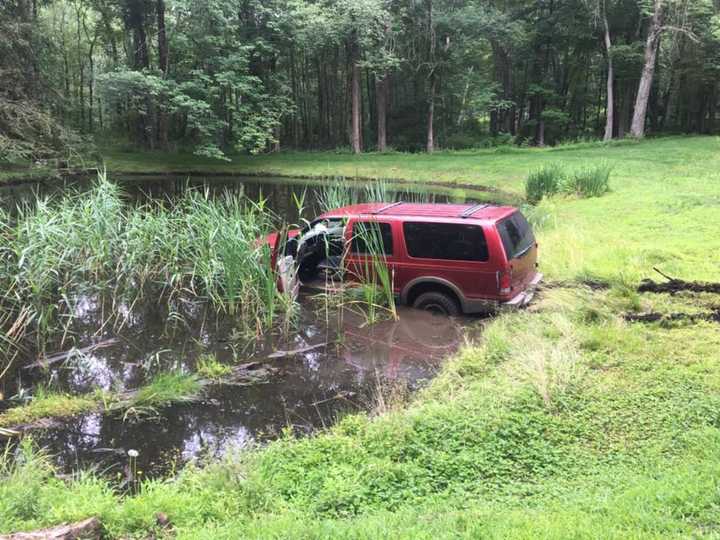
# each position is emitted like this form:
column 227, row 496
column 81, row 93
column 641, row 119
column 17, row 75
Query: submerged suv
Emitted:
column 447, row 258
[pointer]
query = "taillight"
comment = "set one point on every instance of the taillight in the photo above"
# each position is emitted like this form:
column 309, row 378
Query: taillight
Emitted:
column 504, row 280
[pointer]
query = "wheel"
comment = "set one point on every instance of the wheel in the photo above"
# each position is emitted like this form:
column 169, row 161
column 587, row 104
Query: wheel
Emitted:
column 437, row 302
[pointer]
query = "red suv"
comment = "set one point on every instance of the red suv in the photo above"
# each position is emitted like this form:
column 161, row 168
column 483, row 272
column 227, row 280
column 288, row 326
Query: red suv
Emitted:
column 448, row 258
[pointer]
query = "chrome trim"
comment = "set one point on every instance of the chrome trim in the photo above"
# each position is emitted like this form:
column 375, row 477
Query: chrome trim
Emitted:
column 387, row 207
column 470, row 211
column 523, row 298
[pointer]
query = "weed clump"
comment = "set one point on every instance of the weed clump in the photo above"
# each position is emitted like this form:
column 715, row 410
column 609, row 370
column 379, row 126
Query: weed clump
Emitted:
column 208, row 366
column 56, row 251
column 46, row 405
column 543, row 182
column 586, row 182
column 167, row 388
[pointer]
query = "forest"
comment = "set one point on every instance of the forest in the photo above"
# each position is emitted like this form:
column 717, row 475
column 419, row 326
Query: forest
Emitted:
column 217, row 77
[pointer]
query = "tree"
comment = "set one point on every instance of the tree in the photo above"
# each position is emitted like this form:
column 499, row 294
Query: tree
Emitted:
column 637, row 128
column 658, row 24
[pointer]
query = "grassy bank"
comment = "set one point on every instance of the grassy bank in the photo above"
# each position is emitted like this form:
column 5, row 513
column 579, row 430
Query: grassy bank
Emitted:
column 503, row 167
column 563, row 421
column 18, row 174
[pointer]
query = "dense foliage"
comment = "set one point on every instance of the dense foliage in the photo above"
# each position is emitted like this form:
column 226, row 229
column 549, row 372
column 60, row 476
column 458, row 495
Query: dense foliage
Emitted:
column 220, row 76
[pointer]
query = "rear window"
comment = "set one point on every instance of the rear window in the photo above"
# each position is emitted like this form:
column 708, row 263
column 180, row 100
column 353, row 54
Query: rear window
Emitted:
column 517, row 236
column 372, row 238
column 445, row 241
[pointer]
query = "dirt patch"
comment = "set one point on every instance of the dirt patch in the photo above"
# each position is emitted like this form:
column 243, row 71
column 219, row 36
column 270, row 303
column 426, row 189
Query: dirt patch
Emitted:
column 712, row 316
column 674, row 286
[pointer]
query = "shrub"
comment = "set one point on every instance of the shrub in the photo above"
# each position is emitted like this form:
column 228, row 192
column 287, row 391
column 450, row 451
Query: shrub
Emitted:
column 591, row 181
column 542, row 182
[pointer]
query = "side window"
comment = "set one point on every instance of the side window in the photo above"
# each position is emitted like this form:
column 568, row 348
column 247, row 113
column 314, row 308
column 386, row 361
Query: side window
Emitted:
column 372, row 237
column 445, row 241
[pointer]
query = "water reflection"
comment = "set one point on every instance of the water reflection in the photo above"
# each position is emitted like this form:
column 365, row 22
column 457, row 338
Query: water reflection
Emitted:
column 309, row 391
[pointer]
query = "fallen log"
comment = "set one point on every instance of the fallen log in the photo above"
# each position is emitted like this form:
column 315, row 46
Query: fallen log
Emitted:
column 88, row 528
column 46, row 361
column 295, row 352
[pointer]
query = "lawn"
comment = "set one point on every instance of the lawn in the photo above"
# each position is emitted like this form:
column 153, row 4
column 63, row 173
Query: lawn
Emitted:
column 563, row 421
column 503, row 167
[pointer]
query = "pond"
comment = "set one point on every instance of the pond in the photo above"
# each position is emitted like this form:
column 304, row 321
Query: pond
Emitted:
column 330, row 363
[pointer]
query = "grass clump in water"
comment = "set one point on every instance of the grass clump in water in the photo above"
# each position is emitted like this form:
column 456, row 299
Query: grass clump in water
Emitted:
column 166, row 389
column 209, row 367
column 47, row 404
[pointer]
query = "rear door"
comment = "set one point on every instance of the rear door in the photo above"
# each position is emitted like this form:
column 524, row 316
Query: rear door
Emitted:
column 454, row 252
column 520, row 247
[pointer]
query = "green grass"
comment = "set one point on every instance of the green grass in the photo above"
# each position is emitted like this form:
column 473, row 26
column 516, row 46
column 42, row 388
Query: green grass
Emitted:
column 209, row 367
column 564, row 421
column 167, row 388
column 504, row 167
column 47, row 405
column 163, row 390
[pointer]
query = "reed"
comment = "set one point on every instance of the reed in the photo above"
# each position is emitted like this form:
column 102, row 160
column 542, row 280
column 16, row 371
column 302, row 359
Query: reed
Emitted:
column 56, row 251
column 374, row 274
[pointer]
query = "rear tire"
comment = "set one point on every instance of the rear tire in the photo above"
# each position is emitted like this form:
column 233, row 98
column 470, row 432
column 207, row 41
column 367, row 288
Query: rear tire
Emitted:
column 437, row 302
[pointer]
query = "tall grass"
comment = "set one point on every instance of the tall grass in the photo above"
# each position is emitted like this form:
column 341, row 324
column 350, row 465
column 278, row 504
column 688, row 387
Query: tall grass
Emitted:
column 339, row 192
column 55, row 251
column 543, row 182
column 374, row 274
column 592, row 181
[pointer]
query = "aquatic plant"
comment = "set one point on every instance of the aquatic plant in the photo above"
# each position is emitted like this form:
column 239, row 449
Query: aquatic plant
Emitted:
column 55, row 251
column 46, row 404
column 208, row 366
column 373, row 272
column 337, row 192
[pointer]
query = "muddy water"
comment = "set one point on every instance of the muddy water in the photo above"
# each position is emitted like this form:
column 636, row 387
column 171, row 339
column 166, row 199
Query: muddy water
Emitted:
column 354, row 366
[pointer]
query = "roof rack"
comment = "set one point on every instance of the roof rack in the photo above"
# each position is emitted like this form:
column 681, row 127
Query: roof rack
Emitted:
column 470, row 211
column 388, row 207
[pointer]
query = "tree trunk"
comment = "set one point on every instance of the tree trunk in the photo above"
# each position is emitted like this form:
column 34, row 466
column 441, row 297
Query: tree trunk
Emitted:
column 624, row 113
column 135, row 21
column 162, row 120
column 88, row 528
column 381, row 95
column 355, row 112
column 610, row 113
column 431, row 115
column 637, row 128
